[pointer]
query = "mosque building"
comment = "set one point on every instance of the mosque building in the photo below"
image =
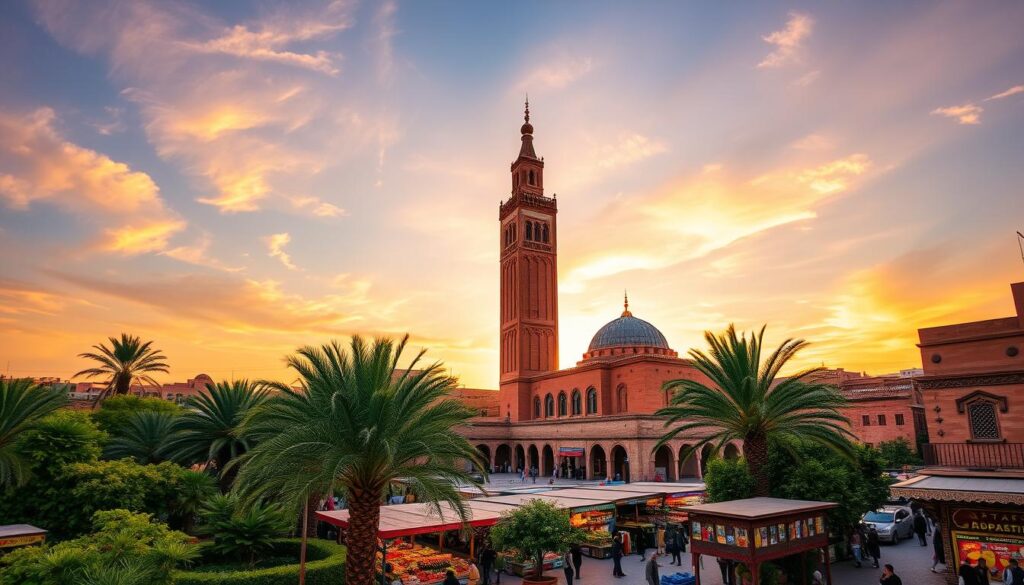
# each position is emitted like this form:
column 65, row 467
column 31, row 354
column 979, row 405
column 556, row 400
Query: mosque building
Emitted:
column 595, row 419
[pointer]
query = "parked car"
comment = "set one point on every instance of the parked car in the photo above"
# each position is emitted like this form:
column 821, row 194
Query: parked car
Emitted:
column 891, row 522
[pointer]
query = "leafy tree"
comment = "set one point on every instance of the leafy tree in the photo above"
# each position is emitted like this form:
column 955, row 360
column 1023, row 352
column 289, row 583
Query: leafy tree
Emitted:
column 124, row 548
column 728, row 479
column 897, row 453
column 356, row 423
column 532, row 530
column 210, row 432
column 22, row 404
column 67, row 483
column 747, row 400
column 143, row 438
column 126, row 361
column 115, row 412
column 66, row 436
column 240, row 531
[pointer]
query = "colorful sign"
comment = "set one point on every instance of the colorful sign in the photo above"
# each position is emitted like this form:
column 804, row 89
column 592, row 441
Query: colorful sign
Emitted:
column 13, row 541
column 997, row 550
column 570, row 451
column 987, row 520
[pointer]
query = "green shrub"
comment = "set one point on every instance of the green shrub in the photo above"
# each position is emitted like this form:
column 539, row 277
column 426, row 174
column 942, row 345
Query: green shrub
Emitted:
column 728, row 479
column 243, row 532
column 325, row 565
column 114, row 412
column 124, row 547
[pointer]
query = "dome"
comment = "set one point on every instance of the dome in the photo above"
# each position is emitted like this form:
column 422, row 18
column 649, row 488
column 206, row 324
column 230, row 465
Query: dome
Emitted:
column 526, row 128
column 628, row 331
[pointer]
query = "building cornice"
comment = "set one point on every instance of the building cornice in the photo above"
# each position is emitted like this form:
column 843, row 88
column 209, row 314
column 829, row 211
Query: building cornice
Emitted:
column 940, row 381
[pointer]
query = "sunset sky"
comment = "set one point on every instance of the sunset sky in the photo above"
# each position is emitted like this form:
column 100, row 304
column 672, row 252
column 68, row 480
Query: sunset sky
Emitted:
column 234, row 180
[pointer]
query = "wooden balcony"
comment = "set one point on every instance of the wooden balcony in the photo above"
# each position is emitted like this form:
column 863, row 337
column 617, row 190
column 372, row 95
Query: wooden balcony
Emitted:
column 974, row 455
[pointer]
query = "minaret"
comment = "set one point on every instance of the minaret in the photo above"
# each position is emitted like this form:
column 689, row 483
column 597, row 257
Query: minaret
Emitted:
column 529, row 280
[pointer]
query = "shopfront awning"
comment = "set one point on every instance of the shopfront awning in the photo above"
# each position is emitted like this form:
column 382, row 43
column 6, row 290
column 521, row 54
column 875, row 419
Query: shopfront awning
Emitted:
column 957, row 486
column 554, row 497
column 411, row 519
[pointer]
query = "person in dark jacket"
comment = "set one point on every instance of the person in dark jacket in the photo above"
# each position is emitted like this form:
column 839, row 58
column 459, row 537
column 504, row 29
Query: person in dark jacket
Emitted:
column 1015, row 573
column 938, row 551
column 968, row 574
column 652, row 570
column 921, row 527
column 487, row 564
column 983, row 573
column 617, row 556
column 567, row 567
column 672, row 546
column 577, row 559
column 889, row 577
column 450, row 578
column 641, row 544
column 873, row 547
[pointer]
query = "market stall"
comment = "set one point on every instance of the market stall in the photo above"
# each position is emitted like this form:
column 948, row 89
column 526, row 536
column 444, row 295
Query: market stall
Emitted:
column 416, row 563
column 16, row 535
column 588, row 511
column 757, row 530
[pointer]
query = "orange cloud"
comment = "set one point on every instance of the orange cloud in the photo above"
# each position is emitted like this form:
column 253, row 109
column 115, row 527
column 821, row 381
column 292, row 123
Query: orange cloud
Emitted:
column 275, row 247
column 1005, row 94
column 788, row 42
column 964, row 113
column 38, row 165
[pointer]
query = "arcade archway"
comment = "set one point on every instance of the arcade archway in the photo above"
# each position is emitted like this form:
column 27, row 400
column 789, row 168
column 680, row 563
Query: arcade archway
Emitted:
column 533, row 457
column 549, row 461
column 598, row 463
column 688, row 467
column 731, row 452
column 520, row 458
column 503, row 458
column 620, row 464
column 663, row 468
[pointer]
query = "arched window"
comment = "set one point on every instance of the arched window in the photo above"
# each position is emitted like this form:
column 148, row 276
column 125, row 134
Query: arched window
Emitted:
column 563, row 405
column 983, row 420
column 531, row 177
column 545, row 233
column 621, row 400
column 591, row 401
column 529, row 230
column 577, row 403
column 536, row 407
column 549, row 406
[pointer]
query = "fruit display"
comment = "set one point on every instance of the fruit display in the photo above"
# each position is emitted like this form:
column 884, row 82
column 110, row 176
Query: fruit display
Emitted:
column 410, row 563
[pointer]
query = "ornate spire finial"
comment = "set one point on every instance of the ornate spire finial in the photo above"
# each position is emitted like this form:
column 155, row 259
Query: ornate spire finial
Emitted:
column 526, row 116
column 625, row 304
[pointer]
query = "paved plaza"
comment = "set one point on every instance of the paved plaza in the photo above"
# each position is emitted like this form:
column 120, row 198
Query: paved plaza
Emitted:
column 911, row 561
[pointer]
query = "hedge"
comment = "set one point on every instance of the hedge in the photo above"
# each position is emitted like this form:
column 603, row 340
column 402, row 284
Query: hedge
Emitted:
column 328, row 569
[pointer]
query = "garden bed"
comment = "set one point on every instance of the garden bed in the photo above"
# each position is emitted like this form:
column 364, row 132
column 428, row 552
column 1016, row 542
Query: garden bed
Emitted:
column 325, row 564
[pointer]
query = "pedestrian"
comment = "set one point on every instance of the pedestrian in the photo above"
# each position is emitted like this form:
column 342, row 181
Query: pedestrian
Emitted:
column 567, row 567
column 724, row 566
column 889, row 577
column 968, row 574
column 874, row 546
column 855, row 544
column 474, row 574
column 672, row 547
column 641, row 544
column 983, row 573
column 499, row 568
column 921, row 527
column 1013, row 575
column 617, row 556
column 450, row 578
column 577, row 559
column 817, row 578
column 487, row 563
column 652, row 570
column 938, row 551
column 661, row 539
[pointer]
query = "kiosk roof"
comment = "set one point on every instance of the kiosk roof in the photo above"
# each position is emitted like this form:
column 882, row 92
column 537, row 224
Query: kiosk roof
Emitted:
column 755, row 508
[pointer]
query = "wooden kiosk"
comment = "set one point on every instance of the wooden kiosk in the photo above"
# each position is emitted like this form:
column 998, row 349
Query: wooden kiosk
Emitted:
column 757, row 530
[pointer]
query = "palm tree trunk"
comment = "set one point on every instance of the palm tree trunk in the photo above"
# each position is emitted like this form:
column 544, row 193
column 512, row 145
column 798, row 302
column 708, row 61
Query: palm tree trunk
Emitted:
column 755, row 450
column 122, row 385
column 302, row 549
column 364, row 517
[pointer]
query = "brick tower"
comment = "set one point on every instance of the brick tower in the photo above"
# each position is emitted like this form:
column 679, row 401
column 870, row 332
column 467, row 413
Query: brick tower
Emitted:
column 529, row 281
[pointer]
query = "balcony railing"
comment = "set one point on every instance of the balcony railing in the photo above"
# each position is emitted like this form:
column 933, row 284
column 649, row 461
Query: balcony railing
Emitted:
column 975, row 455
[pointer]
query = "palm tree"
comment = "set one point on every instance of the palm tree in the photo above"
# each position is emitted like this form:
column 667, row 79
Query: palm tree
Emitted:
column 210, row 431
column 126, row 361
column 143, row 437
column 747, row 401
column 22, row 403
column 193, row 490
column 356, row 423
